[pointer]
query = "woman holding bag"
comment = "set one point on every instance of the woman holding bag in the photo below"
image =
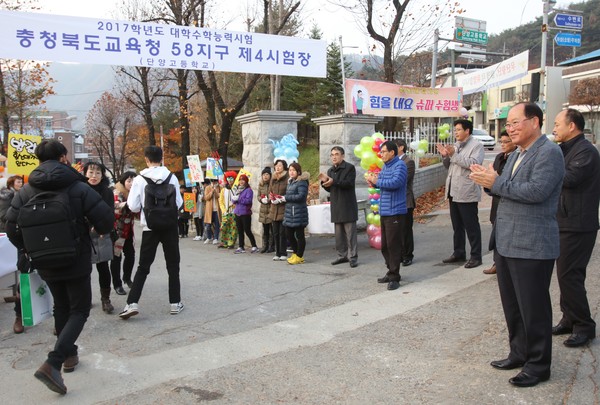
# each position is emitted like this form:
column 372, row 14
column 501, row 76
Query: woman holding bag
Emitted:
column 102, row 245
column 124, row 245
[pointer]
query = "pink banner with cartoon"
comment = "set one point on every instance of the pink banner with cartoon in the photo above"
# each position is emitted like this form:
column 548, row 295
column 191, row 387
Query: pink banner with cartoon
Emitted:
column 388, row 99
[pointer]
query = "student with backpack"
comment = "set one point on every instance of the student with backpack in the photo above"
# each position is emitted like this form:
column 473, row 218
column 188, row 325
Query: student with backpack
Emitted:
column 53, row 213
column 96, row 177
column 156, row 194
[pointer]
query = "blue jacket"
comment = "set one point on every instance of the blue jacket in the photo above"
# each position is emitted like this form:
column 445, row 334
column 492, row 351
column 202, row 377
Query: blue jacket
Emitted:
column 392, row 183
column 296, row 211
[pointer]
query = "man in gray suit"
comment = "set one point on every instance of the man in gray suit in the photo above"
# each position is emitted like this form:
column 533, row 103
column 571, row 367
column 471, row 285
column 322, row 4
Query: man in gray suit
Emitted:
column 526, row 242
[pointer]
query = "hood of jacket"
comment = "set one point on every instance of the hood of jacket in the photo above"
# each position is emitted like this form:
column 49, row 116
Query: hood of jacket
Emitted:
column 6, row 194
column 156, row 173
column 279, row 175
column 303, row 176
column 53, row 175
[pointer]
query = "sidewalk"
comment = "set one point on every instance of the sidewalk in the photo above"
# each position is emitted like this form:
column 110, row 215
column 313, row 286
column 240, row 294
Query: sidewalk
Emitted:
column 256, row 331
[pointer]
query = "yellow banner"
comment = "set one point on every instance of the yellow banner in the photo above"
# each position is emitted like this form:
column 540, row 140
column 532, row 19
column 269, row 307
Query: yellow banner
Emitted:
column 21, row 153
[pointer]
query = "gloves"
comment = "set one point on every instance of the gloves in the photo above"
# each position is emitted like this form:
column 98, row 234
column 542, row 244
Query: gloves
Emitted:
column 235, row 198
column 281, row 199
column 264, row 200
column 275, row 201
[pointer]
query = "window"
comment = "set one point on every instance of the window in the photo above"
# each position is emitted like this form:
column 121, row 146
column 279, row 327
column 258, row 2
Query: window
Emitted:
column 507, row 95
column 525, row 88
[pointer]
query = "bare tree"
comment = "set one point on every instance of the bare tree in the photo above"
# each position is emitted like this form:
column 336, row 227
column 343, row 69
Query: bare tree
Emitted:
column 109, row 123
column 587, row 93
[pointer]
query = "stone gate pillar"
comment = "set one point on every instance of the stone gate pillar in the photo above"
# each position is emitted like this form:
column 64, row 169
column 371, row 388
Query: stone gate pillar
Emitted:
column 257, row 128
column 345, row 130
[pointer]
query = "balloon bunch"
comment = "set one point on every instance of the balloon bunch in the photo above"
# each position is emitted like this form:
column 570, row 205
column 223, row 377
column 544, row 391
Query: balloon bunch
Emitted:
column 369, row 153
column 420, row 147
column 444, row 131
column 286, row 149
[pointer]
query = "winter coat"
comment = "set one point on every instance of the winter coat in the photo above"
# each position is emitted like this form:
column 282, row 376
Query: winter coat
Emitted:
column 225, row 202
column 6, row 196
column 296, row 210
column 344, row 207
column 124, row 218
column 278, row 186
column 392, row 183
column 209, row 192
column 263, row 191
column 86, row 206
column 243, row 205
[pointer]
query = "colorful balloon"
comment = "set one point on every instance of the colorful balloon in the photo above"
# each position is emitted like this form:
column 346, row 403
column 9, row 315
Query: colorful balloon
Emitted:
column 358, row 151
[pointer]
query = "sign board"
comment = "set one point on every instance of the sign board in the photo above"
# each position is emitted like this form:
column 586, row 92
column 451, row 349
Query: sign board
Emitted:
column 567, row 39
column 569, row 21
column 471, row 36
column 35, row 36
column 495, row 75
column 21, row 153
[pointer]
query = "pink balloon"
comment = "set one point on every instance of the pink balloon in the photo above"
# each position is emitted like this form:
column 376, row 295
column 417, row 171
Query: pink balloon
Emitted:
column 376, row 196
column 375, row 242
column 371, row 230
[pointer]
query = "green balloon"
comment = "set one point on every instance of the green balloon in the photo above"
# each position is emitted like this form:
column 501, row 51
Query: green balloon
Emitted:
column 377, row 220
column 367, row 143
column 358, row 151
column 370, row 218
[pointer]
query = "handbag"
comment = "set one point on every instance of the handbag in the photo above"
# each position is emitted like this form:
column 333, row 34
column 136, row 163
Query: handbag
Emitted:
column 36, row 300
column 102, row 248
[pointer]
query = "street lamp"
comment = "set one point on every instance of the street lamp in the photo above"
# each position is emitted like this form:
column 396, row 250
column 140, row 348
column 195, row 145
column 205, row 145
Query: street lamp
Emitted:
column 344, row 70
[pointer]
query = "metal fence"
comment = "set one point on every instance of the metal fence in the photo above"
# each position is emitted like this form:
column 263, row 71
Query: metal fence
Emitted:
column 428, row 131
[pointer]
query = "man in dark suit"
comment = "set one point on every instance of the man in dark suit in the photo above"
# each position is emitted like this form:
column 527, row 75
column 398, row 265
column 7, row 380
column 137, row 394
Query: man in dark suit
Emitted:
column 526, row 241
column 408, row 244
column 578, row 224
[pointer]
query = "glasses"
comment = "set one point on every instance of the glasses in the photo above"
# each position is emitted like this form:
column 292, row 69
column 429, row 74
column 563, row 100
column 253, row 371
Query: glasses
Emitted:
column 515, row 124
column 505, row 142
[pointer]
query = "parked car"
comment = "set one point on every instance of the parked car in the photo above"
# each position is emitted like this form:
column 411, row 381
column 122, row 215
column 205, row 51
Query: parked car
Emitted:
column 488, row 142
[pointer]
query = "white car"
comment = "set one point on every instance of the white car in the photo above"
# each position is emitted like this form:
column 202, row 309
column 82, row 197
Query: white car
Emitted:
column 485, row 138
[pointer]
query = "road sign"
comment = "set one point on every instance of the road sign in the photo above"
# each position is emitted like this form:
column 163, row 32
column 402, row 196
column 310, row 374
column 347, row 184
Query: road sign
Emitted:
column 471, row 36
column 567, row 39
column 569, row 21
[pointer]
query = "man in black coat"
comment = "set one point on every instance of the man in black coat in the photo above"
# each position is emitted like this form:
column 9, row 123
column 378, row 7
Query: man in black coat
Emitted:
column 71, row 285
column 578, row 225
column 340, row 183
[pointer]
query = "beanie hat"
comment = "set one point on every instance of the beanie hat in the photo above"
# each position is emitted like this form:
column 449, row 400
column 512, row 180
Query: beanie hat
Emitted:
column 266, row 170
column 244, row 177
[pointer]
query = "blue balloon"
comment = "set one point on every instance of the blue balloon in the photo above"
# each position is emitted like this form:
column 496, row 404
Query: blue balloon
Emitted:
column 373, row 201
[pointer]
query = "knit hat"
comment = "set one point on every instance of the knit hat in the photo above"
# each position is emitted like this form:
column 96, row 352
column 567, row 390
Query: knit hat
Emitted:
column 244, row 177
column 266, row 170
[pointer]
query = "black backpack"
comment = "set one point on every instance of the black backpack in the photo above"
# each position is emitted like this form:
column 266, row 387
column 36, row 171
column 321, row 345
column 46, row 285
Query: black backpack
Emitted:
column 160, row 204
column 49, row 230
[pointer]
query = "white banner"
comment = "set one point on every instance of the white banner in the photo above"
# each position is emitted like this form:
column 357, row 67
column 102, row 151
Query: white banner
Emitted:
column 495, row 75
column 129, row 43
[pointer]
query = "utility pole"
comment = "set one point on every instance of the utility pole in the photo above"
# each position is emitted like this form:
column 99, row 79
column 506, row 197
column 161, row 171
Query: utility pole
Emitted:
column 434, row 59
column 547, row 4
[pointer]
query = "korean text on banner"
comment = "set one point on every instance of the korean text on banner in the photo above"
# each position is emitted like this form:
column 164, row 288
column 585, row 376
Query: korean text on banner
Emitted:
column 495, row 75
column 388, row 99
column 36, row 299
column 129, row 43
column 195, row 168
column 21, row 153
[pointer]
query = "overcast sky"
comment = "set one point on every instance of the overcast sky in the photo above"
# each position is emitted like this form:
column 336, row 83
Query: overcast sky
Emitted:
column 499, row 15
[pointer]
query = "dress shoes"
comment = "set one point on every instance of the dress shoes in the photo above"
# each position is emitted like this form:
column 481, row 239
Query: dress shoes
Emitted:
column 51, row 377
column 407, row 262
column 384, row 279
column 18, row 325
column 393, row 285
column 340, row 260
column 524, row 379
column 577, row 340
column 70, row 363
column 473, row 263
column 491, row 270
column 453, row 259
column 506, row 364
column 561, row 329
column 353, row 263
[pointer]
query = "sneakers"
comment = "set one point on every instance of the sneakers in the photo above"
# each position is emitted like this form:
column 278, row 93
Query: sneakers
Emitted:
column 197, row 238
column 215, row 242
column 240, row 250
column 292, row 258
column 207, row 241
column 176, row 308
column 254, row 250
column 295, row 259
column 129, row 311
column 275, row 258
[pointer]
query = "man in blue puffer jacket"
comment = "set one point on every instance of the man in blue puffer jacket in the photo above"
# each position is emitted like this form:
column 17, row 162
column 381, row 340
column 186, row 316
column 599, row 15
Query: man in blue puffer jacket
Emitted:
column 392, row 205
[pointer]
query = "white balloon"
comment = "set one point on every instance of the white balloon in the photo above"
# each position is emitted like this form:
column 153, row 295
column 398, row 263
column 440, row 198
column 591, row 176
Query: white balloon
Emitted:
column 414, row 145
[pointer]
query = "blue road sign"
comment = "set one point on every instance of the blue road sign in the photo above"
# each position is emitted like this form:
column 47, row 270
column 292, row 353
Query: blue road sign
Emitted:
column 569, row 21
column 567, row 39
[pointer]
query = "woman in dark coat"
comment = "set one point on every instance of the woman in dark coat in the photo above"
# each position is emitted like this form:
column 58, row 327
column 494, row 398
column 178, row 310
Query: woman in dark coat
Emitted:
column 295, row 217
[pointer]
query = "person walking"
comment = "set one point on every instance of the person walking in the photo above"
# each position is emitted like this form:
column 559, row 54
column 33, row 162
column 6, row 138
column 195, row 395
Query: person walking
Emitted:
column 167, row 235
column 578, row 226
column 70, row 284
column 278, row 187
column 97, row 179
column 408, row 243
column 462, row 192
column 243, row 214
column 340, row 182
column 392, row 205
column 526, row 241
column 124, row 226
column 268, row 244
column 499, row 162
column 295, row 217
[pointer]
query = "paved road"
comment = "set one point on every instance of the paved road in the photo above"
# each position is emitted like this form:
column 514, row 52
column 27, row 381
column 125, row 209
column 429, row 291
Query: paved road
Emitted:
column 257, row 331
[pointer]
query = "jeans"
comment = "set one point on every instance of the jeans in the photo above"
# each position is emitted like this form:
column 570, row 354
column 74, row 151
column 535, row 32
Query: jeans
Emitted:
column 150, row 240
column 212, row 229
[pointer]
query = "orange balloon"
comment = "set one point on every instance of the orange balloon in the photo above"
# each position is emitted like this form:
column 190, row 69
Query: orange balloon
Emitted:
column 1, row 169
